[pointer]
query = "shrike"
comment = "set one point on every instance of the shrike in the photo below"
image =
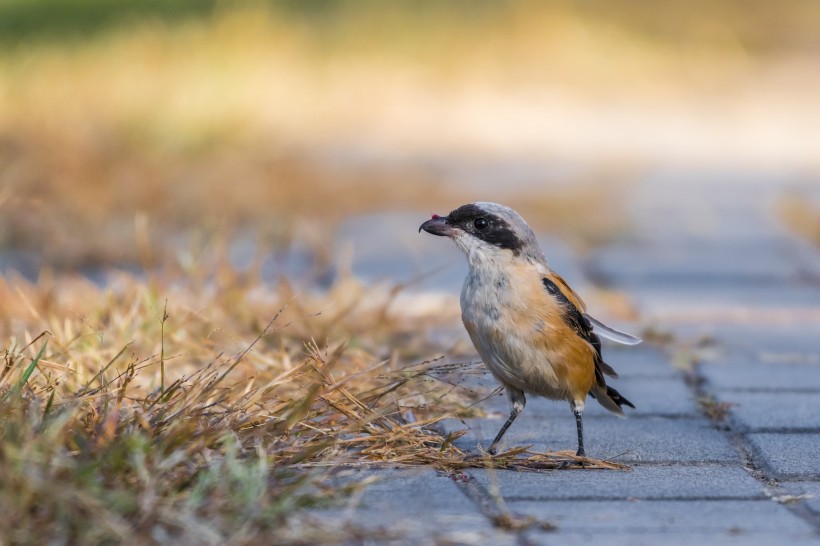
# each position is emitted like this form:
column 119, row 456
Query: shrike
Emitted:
column 528, row 325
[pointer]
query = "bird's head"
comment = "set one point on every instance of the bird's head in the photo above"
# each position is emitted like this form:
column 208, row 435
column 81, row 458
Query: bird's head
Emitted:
column 486, row 231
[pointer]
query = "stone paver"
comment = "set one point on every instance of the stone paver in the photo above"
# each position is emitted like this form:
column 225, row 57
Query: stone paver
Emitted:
column 740, row 261
column 740, row 374
column 436, row 491
column 716, row 516
column 419, row 506
column 809, row 490
column 638, row 361
column 649, row 439
column 772, row 343
column 789, row 456
column 771, row 373
column 656, row 397
column 773, row 411
column 707, row 256
column 642, row 482
column 677, row 539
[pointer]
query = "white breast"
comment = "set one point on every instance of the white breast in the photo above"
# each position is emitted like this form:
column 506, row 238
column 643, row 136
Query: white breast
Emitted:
column 489, row 300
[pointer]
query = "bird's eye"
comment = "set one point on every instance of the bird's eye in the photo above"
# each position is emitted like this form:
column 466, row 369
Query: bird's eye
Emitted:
column 481, row 223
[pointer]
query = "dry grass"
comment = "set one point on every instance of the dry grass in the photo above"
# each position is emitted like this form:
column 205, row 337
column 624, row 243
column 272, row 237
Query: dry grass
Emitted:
column 212, row 408
column 714, row 410
column 802, row 216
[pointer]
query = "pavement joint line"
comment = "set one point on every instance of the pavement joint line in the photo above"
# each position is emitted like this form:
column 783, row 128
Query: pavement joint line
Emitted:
column 664, row 462
column 667, row 416
column 654, row 464
column 764, row 390
column 798, row 479
column 685, row 464
column 777, row 430
column 758, row 470
column 535, row 498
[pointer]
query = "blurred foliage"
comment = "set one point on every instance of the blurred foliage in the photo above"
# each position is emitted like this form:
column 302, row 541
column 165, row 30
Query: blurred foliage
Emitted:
column 755, row 26
column 81, row 19
column 124, row 124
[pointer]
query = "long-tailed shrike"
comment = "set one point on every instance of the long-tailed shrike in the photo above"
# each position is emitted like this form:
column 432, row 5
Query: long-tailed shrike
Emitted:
column 528, row 325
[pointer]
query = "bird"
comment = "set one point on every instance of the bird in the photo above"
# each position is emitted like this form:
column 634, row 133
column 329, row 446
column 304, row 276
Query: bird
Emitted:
column 530, row 328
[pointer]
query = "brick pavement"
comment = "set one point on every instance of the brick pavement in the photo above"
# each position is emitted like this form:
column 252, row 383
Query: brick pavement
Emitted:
column 724, row 452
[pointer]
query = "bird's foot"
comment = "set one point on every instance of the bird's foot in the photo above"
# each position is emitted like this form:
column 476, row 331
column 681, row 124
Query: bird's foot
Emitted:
column 579, row 462
column 474, row 456
column 572, row 464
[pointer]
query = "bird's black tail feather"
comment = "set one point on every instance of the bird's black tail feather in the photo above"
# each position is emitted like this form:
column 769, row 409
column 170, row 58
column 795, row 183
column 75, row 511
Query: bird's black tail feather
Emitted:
column 610, row 399
column 618, row 398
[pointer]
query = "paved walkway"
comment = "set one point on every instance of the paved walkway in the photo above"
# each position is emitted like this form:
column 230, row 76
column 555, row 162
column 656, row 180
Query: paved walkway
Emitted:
column 725, row 442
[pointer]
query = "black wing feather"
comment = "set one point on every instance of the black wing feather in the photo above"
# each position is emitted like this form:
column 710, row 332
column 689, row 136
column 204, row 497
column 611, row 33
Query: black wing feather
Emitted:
column 581, row 325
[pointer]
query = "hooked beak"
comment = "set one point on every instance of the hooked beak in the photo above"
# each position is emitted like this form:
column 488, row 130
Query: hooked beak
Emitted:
column 437, row 226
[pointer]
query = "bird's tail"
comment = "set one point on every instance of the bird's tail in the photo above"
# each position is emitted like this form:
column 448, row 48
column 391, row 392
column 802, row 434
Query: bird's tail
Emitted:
column 610, row 399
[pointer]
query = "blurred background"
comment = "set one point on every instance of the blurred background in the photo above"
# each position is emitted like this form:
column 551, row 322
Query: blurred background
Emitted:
column 302, row 135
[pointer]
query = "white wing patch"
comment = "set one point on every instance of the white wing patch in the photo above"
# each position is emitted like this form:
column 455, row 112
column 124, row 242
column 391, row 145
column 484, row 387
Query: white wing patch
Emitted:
column 611, row 333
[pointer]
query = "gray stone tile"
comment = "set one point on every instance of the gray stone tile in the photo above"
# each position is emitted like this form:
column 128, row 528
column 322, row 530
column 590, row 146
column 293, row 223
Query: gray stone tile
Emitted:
column 642, row 482
column 387, row 247
column 761, row 340
column 716, row 516
column 678, row 539
column 415, row 491
column 766, row 342
column 773, row 411
column 789, row 456
column 695, row 295
column 809, row 490
column 696, row 259
column 650, row 439
column 419, row 506
column 657, row 396
column 764, row 358
column 699, row 279
column 644, row 361
column 758, row 376
column 697, row 308
column 390, row 527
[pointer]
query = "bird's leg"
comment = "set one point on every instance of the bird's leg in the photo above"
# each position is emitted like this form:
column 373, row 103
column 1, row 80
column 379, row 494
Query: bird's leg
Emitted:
column 517, row 401
column 513, row 414
column 578, row 410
